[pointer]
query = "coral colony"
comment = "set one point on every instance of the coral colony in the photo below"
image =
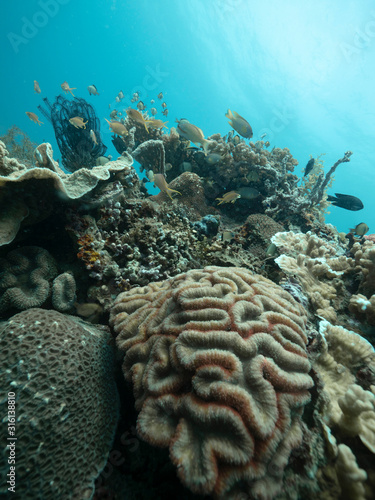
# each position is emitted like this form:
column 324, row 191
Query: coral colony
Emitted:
column 219, row 331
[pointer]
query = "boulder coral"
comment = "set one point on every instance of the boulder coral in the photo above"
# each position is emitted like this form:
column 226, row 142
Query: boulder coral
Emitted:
column 58, row 369
column 217, row 359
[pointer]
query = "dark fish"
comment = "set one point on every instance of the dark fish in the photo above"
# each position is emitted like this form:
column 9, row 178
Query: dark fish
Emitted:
column 309, row 166
column 360, row 229
column 346, row 201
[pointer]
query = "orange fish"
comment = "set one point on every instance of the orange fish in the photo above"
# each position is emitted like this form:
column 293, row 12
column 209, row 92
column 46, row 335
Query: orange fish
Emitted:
column 33, row 117
column 36, row 87
column 66, row 88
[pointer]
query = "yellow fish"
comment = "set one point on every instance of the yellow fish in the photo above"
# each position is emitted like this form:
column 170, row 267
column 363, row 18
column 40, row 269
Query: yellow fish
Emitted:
column 136, row 116
column 239, row 124
column 192, row 133
column 33, row 117
column 78, row 122
column 230, row 197
column 66, row 88
column 161, row 183
column 156, row 123
column 36, row 87
column 117, row 127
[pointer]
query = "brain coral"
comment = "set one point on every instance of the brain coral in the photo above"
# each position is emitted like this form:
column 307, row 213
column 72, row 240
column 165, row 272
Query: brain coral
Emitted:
column 220, row 375
column 24, row 278
column 60, row 371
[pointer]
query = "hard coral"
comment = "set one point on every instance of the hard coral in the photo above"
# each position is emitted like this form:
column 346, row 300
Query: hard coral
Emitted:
column 220, row 375
column 25, row 276
column 60, row 371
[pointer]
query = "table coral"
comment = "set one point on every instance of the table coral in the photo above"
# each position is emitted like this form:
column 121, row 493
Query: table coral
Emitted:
column 220, row 375
column 25, row 276
column 59, row 369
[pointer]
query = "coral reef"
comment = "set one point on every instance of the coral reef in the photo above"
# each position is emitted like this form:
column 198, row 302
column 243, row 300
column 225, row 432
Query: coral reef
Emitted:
column 59, row 369
column 217, row 358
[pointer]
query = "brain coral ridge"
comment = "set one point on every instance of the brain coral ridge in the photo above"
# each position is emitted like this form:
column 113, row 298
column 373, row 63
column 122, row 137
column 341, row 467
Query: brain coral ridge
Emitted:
column 219, row 370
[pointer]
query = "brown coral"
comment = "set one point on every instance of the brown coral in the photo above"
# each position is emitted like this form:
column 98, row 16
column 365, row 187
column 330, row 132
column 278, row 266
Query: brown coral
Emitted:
column 59, row 369
column 220, row 375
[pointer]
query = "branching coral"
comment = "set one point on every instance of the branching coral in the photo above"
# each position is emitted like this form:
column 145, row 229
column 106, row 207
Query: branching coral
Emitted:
column 220, row 375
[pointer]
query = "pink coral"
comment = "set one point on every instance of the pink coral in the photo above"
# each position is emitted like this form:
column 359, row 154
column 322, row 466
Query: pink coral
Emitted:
column 220, row 375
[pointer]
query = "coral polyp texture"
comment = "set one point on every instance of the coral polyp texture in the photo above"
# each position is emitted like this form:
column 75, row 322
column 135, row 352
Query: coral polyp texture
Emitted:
column 59, row 370
column 217, row 359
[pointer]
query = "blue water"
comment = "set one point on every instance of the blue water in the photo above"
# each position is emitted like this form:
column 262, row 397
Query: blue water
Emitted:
column 301, row 71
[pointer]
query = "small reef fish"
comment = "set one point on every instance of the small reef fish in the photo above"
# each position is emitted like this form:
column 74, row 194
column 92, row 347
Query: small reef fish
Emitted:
column 213, row 158
column 160, row 96
column 117, row 127
column 33, row 117
column 120, row 95
column 192, row 133
column 153, row 111
column 236, row 140
column 156, row 124
column 360, row 229
column 163, row 105
column 93, row 137
column 309, row 166
column 137, row 117
column 346, row 201
column 141, row 106
column 248, row 193
column 135, row 97
column 267, row 144
column 78, row 122
column 66, row 88
column 263, row 136
column 230, row 197
column 150, row 175
column 165, row 112
column 161, row 183
column 113, row 114
column 239, row 124
column 152, row 101
column 117, row 99
column 36, row 87
column 92, row 90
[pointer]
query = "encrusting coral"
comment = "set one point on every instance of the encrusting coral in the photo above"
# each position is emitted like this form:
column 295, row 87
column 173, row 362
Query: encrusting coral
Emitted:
column 350, row 407
column 316, row 264
column 59, row 369
column 217, row 358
